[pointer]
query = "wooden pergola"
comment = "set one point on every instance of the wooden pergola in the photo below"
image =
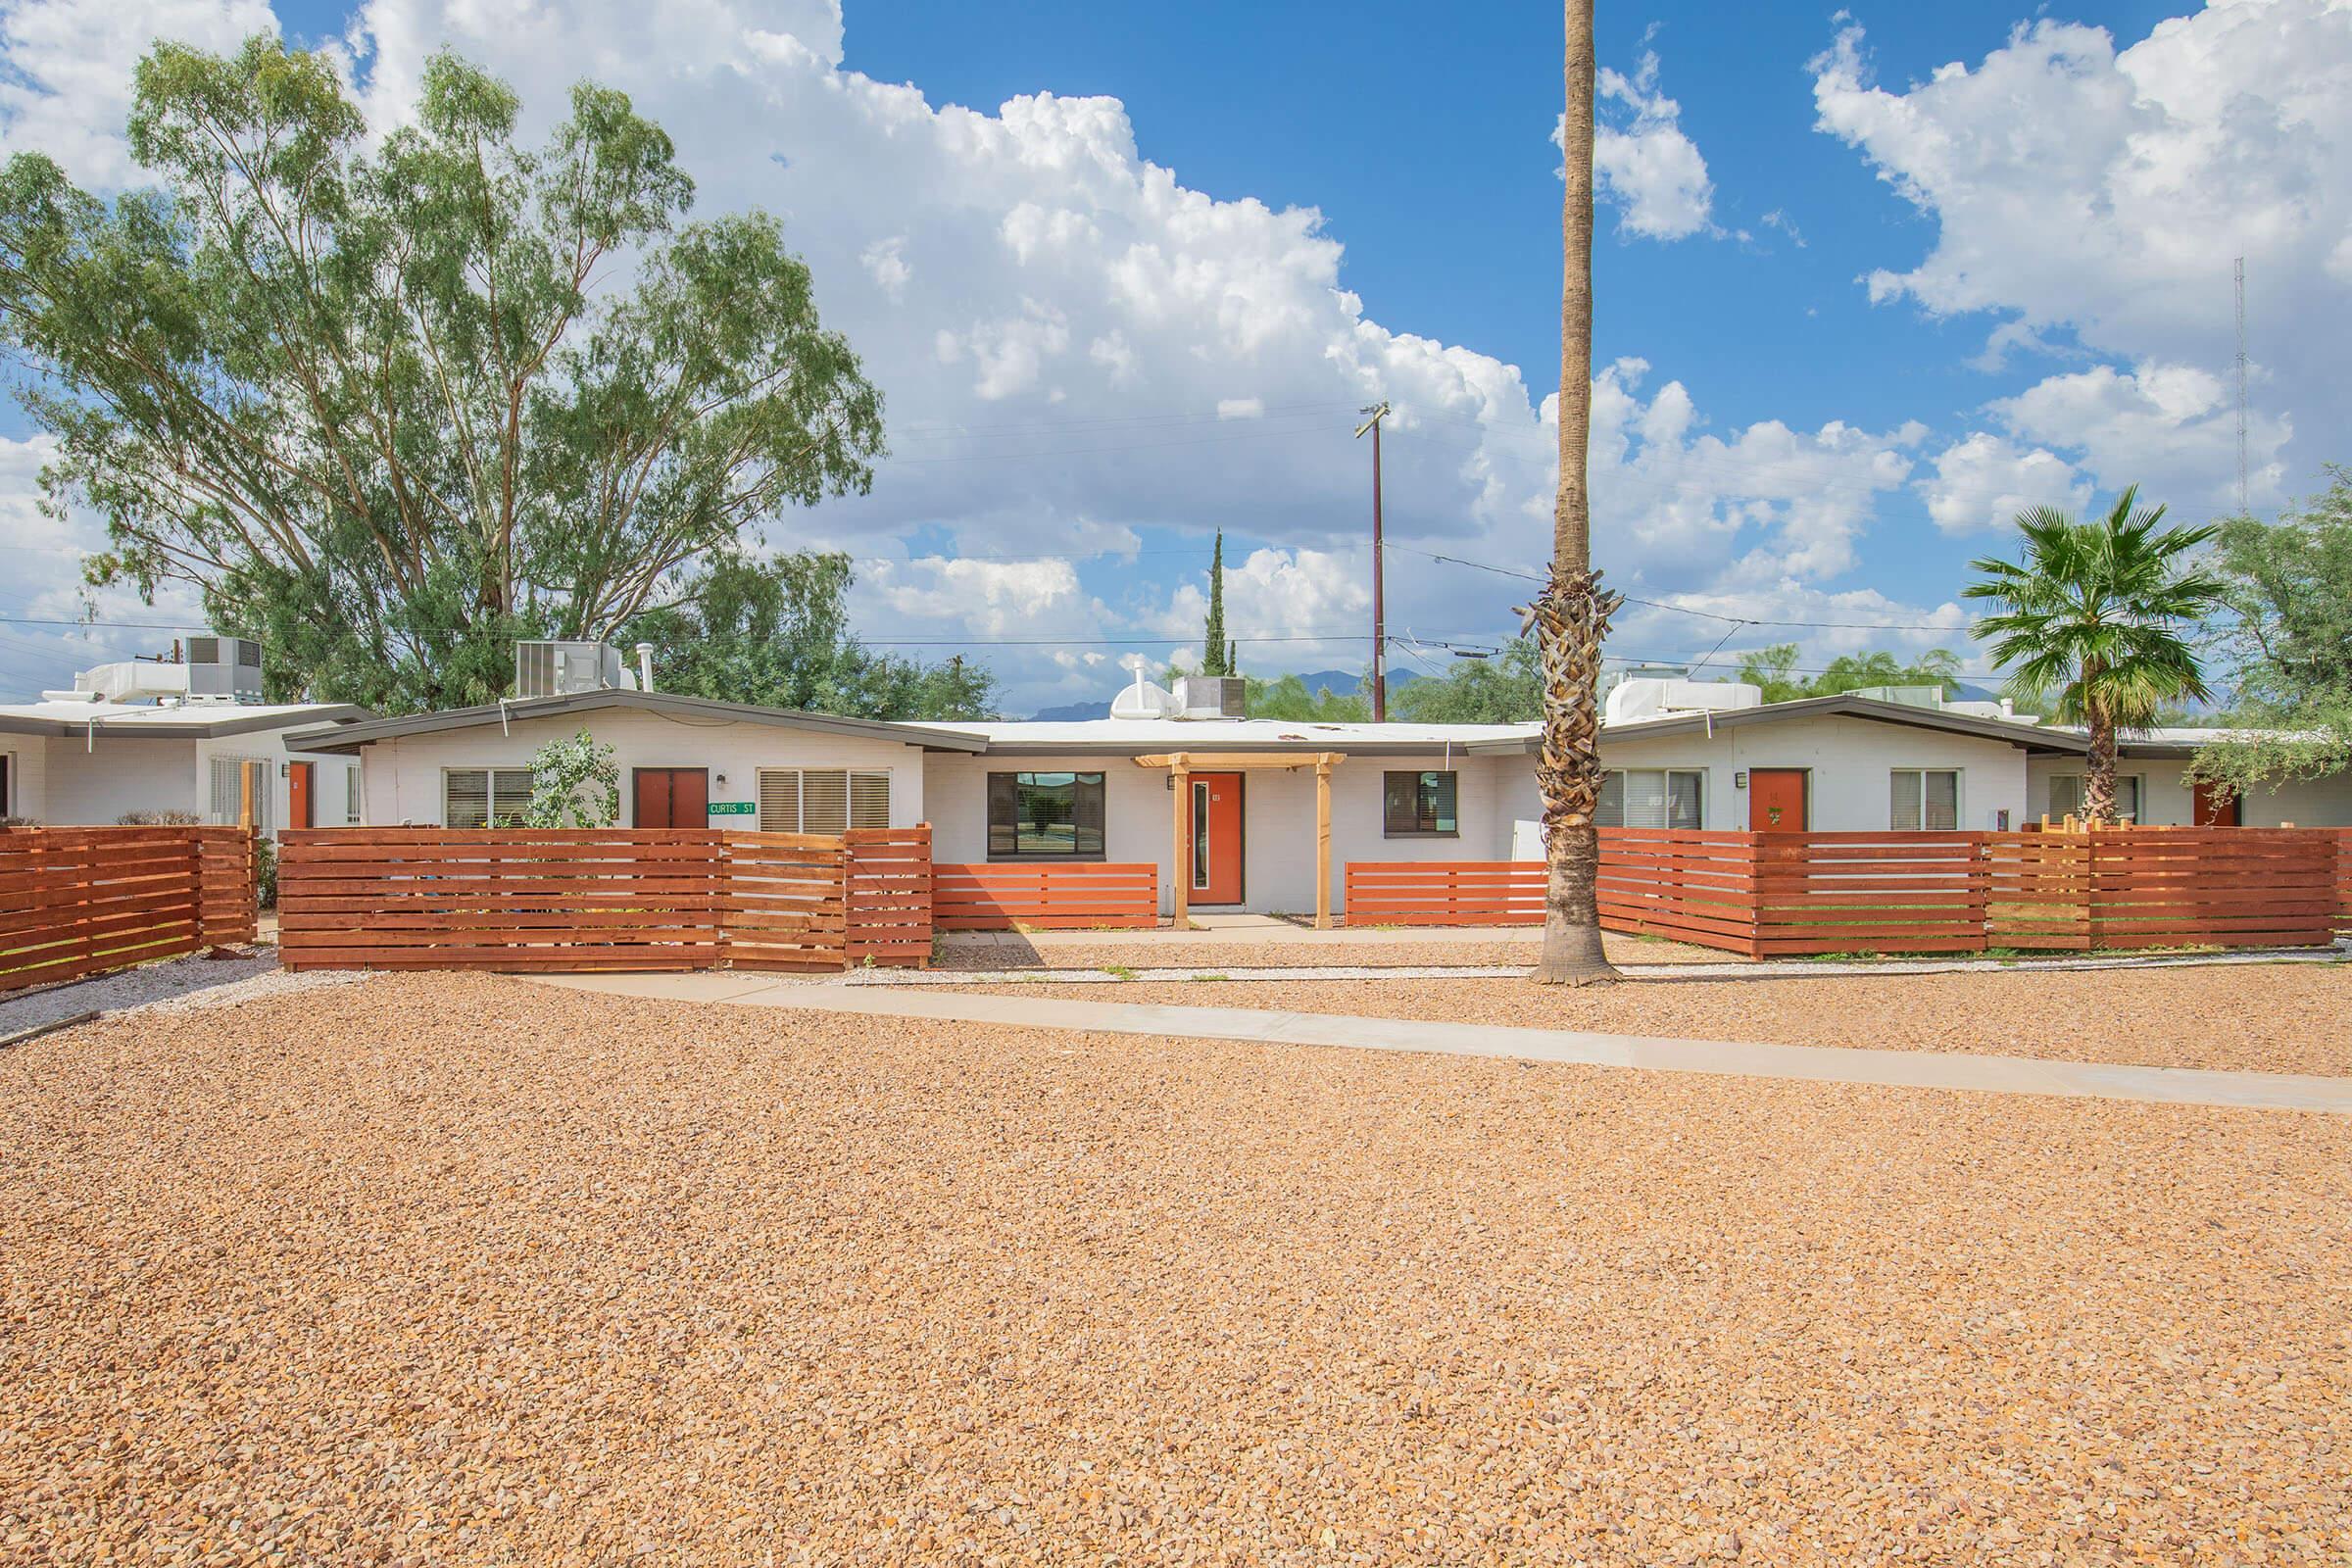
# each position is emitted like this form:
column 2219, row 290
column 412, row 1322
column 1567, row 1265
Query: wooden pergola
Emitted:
column 1181, row 767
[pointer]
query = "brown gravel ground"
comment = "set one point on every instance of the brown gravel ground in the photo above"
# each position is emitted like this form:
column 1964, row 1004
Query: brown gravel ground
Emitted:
column 1503, row 948
column 457, row 1270
column 2250, row 1017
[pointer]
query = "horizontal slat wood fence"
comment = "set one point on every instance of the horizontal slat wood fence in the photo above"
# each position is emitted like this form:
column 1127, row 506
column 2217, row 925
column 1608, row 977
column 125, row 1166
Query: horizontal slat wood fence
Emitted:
column 1697, row 887
column 1084, row 896
column 786, row 904
column 578, row 899
column 1444, row 893
column 426, row 898
column 1778, row 895
column 82, row 901
column 890, row 896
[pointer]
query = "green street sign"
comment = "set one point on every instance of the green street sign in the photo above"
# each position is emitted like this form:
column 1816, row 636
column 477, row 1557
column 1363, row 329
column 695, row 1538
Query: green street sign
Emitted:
column 732, row 807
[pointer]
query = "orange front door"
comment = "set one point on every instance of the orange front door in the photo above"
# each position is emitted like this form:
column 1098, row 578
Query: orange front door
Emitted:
column 1216, row 838
column 1776, row 799
column 298, row 794
column 2215, row 804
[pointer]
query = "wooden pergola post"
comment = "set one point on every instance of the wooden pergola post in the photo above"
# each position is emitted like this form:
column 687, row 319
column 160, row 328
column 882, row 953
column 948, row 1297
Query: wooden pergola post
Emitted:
column 1323, row 841
column 1180, row 765
column 1180, row 861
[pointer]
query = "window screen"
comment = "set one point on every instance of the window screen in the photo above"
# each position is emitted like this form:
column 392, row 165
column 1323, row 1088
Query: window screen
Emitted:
column 826, row 801
column 351, row 794
column 1652, row 796
column 1418, row 805
column 1925, row 799
column 1045, row 816
column 477, row 796
column 228, row 777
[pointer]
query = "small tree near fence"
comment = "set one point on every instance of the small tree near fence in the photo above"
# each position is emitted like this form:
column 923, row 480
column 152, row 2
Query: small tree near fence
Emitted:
column 574, row 783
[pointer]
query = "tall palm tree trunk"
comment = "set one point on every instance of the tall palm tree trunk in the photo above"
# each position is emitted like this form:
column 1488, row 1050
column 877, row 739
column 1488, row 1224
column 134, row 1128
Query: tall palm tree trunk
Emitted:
column 2098, row 786
column 1571, row 616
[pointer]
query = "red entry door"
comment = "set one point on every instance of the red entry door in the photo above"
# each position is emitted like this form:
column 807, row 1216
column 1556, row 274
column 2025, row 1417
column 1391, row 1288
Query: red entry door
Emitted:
column 2213, row 804
column 1216, row 867
column 298, row 794
column 672, row 797
column 1776, row 799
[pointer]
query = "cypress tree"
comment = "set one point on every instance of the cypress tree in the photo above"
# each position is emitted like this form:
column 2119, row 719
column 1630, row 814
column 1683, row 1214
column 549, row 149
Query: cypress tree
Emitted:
column 1216, row 655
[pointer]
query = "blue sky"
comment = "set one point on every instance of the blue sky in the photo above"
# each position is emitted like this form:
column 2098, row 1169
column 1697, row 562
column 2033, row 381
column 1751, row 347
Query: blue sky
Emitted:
column 1866, row 282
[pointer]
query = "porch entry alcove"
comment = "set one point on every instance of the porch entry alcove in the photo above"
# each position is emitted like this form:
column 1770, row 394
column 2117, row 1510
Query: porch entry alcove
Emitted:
column 1211, row 827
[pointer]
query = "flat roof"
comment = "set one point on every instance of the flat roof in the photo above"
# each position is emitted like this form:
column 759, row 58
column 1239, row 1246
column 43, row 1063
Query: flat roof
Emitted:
column 183, row 721
column 1120, row 737
column 1845, row 704
column 350, row 738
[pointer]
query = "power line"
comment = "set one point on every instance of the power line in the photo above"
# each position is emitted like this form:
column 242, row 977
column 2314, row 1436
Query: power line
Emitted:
column 1685, row 610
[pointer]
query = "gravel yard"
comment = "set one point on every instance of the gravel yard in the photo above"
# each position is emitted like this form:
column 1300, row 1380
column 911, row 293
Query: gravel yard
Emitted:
column 458, row 1269
column 2276, row 1017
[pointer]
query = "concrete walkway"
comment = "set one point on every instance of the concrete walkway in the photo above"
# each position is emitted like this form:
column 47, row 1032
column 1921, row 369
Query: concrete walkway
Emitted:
column 1916, row 1069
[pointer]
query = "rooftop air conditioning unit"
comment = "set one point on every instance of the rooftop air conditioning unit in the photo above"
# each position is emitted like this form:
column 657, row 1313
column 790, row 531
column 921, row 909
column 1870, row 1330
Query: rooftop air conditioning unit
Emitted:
column 548, row 668
column 1212, row 697
column 224, row 669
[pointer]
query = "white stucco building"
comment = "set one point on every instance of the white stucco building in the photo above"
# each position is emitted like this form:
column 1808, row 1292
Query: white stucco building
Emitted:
column 1015, row 793
column 186, row 736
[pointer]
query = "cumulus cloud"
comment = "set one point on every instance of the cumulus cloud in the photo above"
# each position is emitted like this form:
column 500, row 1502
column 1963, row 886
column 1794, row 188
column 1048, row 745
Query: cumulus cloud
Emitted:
column 2099, row 195
column 1983, row 481
column 2171, row 428
column 990, row 597
column 1643, row 159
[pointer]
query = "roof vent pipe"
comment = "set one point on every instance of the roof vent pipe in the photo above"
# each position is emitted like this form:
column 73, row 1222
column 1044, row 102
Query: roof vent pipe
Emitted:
column 645, row 667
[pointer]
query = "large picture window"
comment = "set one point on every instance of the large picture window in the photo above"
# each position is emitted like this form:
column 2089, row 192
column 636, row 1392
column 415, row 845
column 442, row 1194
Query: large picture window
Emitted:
column 2066, row 796
column 1925, row 798
column 484, row 797
column 1419, row 806
column 816, row 799
column 1045, row 817
column 1652, row 796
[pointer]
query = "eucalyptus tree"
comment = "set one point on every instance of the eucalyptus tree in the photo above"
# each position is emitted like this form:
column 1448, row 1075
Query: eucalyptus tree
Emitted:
column 390, row 406
column 2099, row 619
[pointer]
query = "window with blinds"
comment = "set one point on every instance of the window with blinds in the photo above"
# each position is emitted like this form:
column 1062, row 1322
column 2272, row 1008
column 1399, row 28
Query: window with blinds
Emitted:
column 1651, row 796
column 484, row 797
column 1924, row 798
column 813, row 799
column 351, row 795
column 228, row 781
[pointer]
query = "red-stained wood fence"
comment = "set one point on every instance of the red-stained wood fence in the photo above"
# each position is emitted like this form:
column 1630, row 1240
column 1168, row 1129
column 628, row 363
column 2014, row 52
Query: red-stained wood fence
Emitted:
column 786, row 904
column 583, row 898
column 2343, row 880
column 82, row 901
column 1443, row 893
column 1779, row 895
column 890, row 894
column 1081, row 895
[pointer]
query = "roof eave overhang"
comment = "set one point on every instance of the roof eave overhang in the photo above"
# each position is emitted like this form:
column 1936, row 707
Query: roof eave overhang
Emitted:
column 352, row 738
column 129, row 728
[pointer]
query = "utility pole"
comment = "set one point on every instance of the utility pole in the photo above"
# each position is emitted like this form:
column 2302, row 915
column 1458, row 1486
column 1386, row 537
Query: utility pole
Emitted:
column 1380, row 627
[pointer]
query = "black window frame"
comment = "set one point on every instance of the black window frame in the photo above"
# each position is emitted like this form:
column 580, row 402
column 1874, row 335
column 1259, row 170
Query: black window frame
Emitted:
column 1002, row 790
column 1419, row 777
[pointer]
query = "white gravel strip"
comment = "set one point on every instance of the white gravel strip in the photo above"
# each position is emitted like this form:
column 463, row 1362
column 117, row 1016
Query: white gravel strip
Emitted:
column 175, row 985
column 1768, row 970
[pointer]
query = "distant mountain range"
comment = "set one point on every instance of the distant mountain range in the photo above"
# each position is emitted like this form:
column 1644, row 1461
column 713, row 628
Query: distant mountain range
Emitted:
column 1342, row 683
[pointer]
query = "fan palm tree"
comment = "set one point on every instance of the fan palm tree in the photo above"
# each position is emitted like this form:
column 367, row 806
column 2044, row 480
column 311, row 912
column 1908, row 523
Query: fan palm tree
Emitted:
column 1572, row 615
column 2097, row 616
